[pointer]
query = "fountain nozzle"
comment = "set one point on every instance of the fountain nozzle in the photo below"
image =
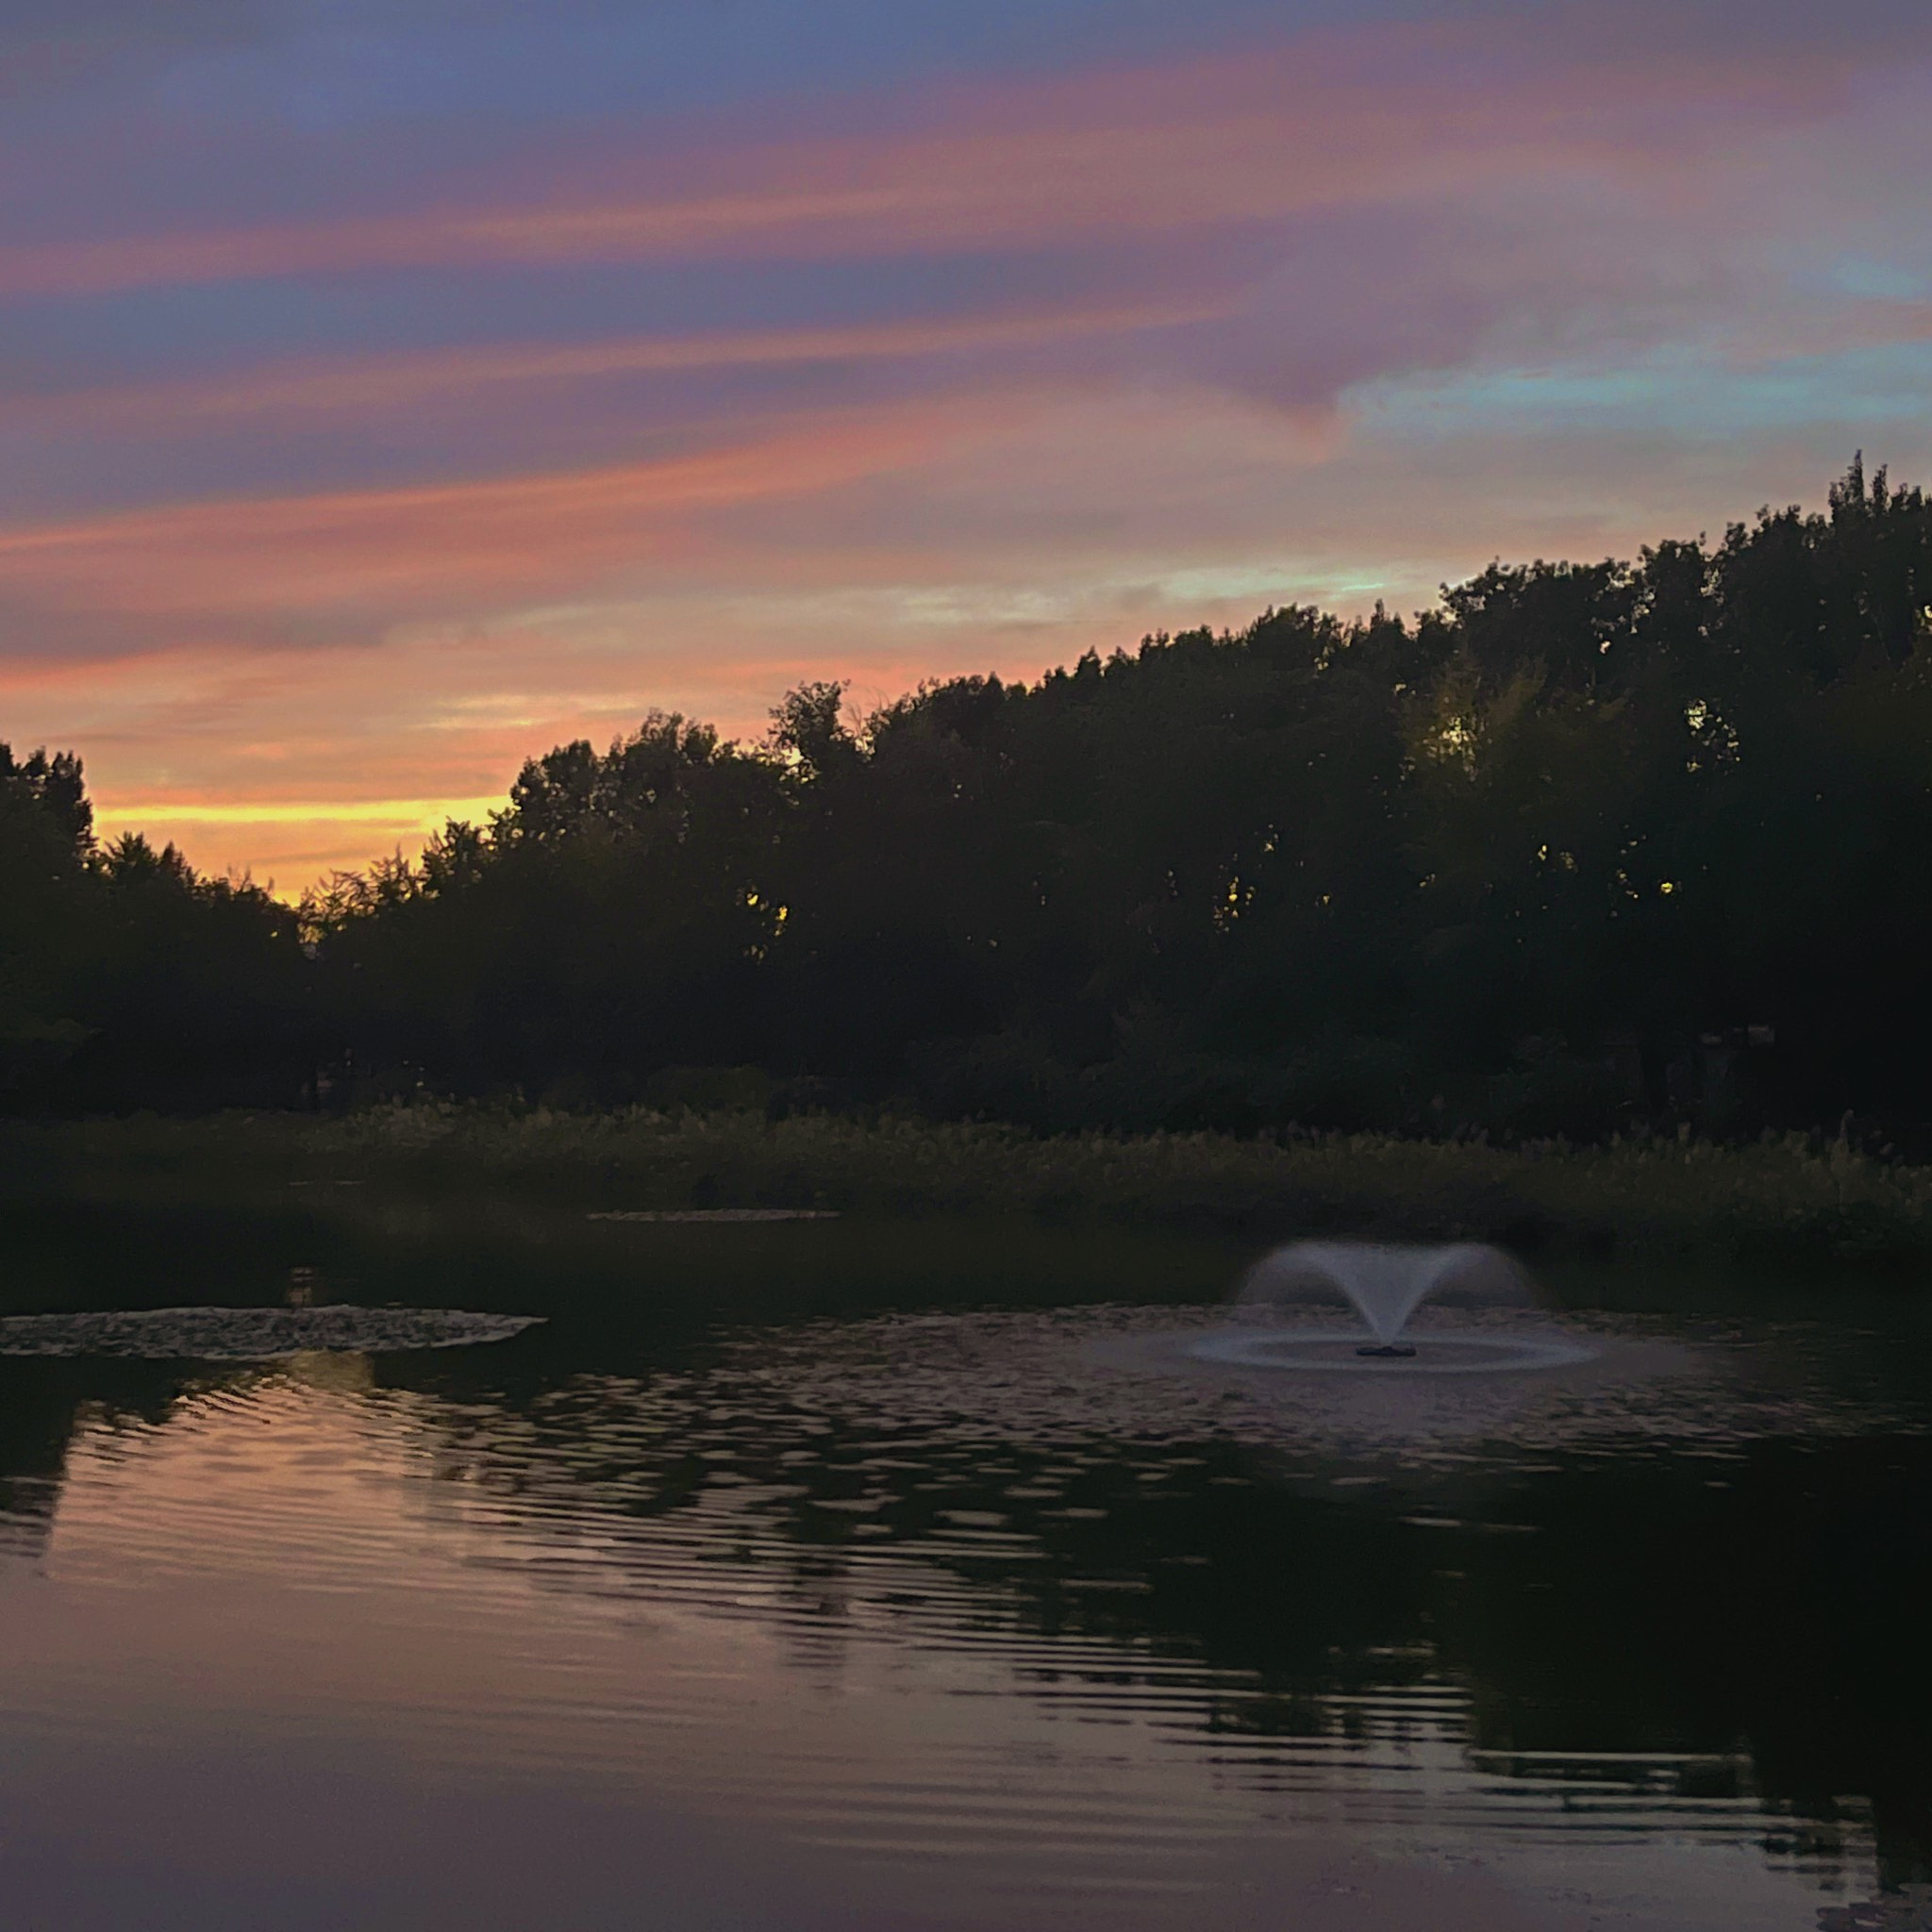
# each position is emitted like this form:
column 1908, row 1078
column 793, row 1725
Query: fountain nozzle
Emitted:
column 1385, row 1351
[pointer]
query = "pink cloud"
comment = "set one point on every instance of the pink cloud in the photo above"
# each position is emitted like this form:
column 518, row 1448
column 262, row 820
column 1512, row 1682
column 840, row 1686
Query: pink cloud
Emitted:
column 1274, row 133
column 375, row 554
column 386, row 381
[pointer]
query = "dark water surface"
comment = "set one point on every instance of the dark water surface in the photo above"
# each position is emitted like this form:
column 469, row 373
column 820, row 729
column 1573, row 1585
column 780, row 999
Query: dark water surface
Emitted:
column 827, row 1577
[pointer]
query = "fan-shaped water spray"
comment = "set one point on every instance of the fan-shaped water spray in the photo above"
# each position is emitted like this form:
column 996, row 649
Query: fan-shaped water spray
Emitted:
column 1385, row 1284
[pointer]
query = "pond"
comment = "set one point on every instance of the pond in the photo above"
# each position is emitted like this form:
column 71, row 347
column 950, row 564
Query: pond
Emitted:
column 846, row 1576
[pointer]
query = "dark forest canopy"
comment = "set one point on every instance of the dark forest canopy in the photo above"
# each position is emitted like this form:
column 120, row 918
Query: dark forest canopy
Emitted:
column 1584, row 845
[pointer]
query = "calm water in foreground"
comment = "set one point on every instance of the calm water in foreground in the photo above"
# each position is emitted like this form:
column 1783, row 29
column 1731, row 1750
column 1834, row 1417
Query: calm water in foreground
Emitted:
column 820, row 1576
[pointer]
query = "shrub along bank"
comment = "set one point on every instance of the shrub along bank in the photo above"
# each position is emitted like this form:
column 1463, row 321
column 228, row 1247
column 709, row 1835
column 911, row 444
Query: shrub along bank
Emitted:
column 1780, row 1200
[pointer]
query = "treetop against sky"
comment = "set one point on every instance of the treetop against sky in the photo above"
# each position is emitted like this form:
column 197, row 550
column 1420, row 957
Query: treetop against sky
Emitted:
column 389, row 387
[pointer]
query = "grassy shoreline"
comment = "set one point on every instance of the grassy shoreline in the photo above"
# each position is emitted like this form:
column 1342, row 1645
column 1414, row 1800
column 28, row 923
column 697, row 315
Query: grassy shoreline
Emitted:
column 1791, row 1201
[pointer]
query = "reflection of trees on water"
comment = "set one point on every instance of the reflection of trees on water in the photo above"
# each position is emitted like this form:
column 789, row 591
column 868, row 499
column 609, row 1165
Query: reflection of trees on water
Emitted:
column 1742, row 1630
column 41, row 1402
column 1906, row 1910
column 1743, row 1633
column 1776, row 1603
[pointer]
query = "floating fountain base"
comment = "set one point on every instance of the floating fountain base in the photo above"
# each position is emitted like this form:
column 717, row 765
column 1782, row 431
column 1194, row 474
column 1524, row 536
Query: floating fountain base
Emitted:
column 1418, row 1354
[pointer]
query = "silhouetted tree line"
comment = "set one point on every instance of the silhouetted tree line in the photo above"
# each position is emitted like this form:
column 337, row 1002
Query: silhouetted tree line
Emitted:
column 127, row 980
column 1584, row 845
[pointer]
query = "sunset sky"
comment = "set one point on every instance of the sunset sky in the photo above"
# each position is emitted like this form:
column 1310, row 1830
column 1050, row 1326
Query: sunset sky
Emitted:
column 390, row 388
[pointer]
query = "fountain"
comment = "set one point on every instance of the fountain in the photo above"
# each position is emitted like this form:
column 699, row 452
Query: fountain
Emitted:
column 1385, row 1284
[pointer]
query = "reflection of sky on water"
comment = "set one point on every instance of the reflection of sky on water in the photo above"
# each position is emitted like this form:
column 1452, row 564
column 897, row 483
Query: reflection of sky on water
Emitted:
column 797, row 1595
